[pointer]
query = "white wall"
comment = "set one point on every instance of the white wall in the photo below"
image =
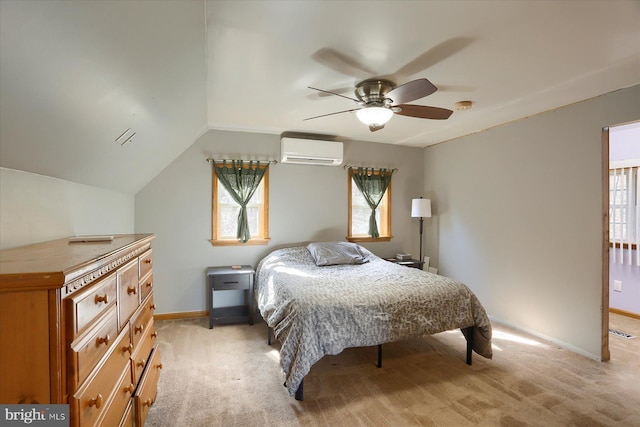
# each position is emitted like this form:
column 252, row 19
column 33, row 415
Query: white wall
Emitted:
column 518, row 217
column 35, row 208
column 306, row 203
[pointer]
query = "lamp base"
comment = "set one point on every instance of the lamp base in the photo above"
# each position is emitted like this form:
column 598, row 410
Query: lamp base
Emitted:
column 421, row 221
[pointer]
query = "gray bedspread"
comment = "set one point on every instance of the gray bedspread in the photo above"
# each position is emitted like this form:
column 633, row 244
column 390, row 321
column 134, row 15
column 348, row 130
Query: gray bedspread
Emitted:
column 315, row 311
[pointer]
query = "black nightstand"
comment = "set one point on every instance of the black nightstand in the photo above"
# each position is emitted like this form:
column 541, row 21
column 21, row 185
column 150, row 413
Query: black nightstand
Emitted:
column 408, row 263
column 239, row 278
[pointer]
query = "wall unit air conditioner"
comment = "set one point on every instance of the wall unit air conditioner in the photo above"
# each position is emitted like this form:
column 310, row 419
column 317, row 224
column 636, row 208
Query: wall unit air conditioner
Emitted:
column 310, row 151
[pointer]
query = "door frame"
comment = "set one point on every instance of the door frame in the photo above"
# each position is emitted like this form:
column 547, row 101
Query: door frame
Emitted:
column 605, row 355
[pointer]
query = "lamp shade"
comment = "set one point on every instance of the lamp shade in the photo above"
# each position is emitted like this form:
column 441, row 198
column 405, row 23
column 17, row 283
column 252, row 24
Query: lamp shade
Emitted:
column 421, row 208
column 374, row 115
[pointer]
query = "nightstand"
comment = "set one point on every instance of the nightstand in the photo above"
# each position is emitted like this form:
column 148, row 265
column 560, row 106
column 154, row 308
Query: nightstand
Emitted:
column 235, row 278
column 408, row 263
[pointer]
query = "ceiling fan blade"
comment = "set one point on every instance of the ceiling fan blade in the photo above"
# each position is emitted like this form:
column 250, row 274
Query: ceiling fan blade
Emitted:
column 331, row 114
column 341, row 63
column 411, row 91
column 436, row 54
column 374, row 128
column 332, row 93
column 423, row 112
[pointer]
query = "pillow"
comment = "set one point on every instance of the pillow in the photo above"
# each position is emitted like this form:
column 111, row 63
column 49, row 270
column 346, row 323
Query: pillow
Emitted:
column 334, row 253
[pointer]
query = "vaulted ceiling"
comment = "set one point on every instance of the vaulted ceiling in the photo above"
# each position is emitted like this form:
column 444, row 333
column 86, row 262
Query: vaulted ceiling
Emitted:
column 75, row 75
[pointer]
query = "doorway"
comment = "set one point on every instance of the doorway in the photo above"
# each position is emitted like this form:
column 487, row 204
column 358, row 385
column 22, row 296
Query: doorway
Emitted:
column 621, row 256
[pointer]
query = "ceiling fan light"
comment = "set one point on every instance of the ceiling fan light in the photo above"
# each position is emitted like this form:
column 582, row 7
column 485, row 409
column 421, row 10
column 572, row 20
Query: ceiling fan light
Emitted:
column 374, row 115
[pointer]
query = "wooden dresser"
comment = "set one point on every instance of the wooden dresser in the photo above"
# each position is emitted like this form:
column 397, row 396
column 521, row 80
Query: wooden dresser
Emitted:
column 76, row 327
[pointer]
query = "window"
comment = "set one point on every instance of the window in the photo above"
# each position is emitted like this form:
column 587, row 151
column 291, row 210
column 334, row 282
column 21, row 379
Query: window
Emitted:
column 360, row 212
column 226, row 209
column 623, row 207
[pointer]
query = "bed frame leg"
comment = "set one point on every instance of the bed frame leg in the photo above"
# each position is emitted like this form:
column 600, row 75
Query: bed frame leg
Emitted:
column 300, row 391
column 469, row 344
column 379, row 355
column 269, row 330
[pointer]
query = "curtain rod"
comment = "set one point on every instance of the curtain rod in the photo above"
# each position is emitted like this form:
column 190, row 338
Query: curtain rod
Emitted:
column 211, row 160
column 368, row 167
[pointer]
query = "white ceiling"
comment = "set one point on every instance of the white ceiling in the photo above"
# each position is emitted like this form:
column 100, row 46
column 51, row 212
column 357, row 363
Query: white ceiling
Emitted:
column 74, row 75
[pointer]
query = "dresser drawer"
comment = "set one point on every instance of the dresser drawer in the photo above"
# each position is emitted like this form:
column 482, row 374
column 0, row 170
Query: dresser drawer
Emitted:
column 145, row 395
column 86, row 305
column 223, row 282
column 121, row 398
column 146, row 262
column 93, row 398
column 141, row 354
column 140, row 320
column 128, row 292
column 146, row 286
column 93, row 344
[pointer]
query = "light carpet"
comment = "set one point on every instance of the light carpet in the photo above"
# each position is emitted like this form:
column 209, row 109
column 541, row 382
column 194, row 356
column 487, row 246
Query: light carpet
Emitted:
column 229, row 376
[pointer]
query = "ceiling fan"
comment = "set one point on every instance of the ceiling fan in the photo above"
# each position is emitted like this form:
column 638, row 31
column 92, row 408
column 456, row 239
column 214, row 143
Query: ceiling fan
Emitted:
column 379, row 99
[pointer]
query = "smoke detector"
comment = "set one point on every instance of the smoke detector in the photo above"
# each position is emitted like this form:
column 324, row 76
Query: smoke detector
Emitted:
column 463, row 105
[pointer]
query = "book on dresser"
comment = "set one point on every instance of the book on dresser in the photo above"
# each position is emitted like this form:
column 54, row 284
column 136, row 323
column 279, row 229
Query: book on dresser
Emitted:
column 77, row 328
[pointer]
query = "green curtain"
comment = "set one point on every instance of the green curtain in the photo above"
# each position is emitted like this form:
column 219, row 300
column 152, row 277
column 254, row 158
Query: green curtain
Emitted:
column 372, row 186
column 241, row 183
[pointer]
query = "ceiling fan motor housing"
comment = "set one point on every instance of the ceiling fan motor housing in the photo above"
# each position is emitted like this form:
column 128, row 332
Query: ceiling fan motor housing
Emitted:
column 373, row 91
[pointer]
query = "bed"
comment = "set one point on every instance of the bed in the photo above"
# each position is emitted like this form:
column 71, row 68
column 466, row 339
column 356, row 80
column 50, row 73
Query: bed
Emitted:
column 322, row 298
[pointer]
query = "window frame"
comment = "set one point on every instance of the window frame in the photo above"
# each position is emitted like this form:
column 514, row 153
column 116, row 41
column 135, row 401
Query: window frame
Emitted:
column 384, row 225
column 263, row 223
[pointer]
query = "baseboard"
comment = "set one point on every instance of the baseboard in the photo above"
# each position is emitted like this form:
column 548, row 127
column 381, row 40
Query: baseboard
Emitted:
column 544, row 337
column 624, row 313
column 183, row 315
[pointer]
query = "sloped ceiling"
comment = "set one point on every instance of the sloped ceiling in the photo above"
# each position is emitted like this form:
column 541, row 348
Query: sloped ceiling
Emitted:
column 74, row 75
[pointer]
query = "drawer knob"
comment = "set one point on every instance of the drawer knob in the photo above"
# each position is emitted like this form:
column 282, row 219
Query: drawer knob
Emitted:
column 147, row 261
column 101, row 340
column 141, row 363
column 132, row 290
column 130, row 388
column 102, row 298
column 154, row 334
column 159, row 365
column 148, row 402
column 128, row 348
column 96, row 401
column 138, row 329
column 149, row 284
column 152, row 306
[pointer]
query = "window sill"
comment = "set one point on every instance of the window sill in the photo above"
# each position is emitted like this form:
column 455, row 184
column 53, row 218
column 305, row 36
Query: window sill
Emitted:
column 229, row 242
column 353, row 239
